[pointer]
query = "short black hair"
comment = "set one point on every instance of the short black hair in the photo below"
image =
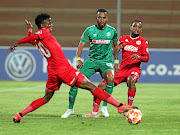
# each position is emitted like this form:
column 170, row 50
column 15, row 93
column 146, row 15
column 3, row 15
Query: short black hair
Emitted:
column 102, row 10
column 40, row 18
column 135, row 21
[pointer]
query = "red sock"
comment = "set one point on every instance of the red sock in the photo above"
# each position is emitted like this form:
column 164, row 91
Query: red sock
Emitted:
column 96, row 104
column 131, row 95
column 33, row 106
column 103, row 95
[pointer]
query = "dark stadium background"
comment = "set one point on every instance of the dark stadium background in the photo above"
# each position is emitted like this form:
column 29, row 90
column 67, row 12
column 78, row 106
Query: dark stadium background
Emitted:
column 161, row 19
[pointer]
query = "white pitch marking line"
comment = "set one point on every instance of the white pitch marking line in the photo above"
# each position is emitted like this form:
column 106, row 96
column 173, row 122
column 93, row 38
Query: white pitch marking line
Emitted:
column 22, row 88
column 175, row 130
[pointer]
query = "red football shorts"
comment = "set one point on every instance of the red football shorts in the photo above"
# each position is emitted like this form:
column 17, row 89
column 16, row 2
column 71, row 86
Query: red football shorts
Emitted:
column 123, row 75
column 72, row 77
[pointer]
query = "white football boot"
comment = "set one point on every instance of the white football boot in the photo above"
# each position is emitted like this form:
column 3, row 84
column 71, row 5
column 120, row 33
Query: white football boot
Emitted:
column 104, row 111
column 67, row 113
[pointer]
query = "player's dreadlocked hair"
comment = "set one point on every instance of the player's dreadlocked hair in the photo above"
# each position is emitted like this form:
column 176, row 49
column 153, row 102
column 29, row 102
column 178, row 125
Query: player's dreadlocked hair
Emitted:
column 102, row 10
column 135, row 21
column 40, row 18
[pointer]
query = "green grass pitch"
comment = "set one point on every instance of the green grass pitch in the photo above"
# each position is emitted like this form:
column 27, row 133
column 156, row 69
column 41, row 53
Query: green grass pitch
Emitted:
column 159, row 104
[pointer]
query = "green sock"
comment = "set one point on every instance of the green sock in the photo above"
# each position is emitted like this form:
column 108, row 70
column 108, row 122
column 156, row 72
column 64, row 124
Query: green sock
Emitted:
column 109, row 89
column 72, row 96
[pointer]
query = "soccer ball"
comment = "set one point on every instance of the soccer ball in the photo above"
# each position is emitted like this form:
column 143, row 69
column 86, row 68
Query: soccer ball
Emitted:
column 134, row 116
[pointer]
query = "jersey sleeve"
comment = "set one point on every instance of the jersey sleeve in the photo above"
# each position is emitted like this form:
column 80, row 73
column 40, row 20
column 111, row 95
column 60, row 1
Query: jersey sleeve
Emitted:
column 115, row 39
column 84, row 37
column 145, row 53
column 29, row 32
column 145, row 49
column 29, row 39
column 120, row 40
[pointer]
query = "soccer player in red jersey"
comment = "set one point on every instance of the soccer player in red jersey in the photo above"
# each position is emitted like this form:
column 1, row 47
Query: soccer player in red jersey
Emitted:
column 59, row 69
column 134, row 51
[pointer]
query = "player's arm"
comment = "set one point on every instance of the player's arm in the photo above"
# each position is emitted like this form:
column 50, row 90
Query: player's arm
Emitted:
column 84, row 39
column 28, row 39
column 116, row 49
column 142, row 58
column 29, row 26
column 116, row 57
column 79, row 53
column 144, row 54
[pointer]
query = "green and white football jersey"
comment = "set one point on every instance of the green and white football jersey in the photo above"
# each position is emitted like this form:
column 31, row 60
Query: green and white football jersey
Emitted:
column 100, row 42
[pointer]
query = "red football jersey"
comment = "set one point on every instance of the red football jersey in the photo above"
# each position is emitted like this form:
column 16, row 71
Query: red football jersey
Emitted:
column 50, row 49
column 137, row 45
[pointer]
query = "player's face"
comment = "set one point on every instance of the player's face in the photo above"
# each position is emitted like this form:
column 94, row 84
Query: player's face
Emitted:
column 47, row 24
column 102, row 19
column 136, row 28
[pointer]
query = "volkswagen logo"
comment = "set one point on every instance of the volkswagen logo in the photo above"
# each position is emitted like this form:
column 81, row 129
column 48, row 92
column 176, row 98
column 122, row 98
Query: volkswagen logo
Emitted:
column 21, row 65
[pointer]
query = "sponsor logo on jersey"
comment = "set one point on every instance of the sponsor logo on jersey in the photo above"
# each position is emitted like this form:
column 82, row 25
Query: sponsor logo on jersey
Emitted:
column 20, row 66
column 108, row 34
column 138, row 42
column 95, row 35
column 131, row 48
column 101, row 41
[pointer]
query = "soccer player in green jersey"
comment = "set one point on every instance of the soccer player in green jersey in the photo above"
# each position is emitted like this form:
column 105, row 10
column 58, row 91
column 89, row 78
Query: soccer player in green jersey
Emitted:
column 103, row 38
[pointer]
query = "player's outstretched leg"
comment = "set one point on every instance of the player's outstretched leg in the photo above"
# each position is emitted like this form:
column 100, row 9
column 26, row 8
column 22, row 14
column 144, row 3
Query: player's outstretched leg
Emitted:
column 33, row 106
column 17, row 118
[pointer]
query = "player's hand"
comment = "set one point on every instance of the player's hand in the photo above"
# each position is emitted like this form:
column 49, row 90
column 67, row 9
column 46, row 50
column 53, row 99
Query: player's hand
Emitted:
column 12, row 48
column 28, row 24
column 120, row 46
column 116, row 68
column 79, row 64
column 135, row 56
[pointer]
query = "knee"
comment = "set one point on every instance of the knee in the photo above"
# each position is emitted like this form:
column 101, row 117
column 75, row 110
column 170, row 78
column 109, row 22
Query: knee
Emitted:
column 110, row 79
column 131, row 81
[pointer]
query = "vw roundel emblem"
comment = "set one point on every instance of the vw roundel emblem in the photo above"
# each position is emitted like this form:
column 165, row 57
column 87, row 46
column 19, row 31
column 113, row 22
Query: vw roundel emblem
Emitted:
column 21, row 65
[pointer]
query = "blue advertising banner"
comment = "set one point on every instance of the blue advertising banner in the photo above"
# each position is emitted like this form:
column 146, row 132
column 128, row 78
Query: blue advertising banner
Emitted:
column 28, row 64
